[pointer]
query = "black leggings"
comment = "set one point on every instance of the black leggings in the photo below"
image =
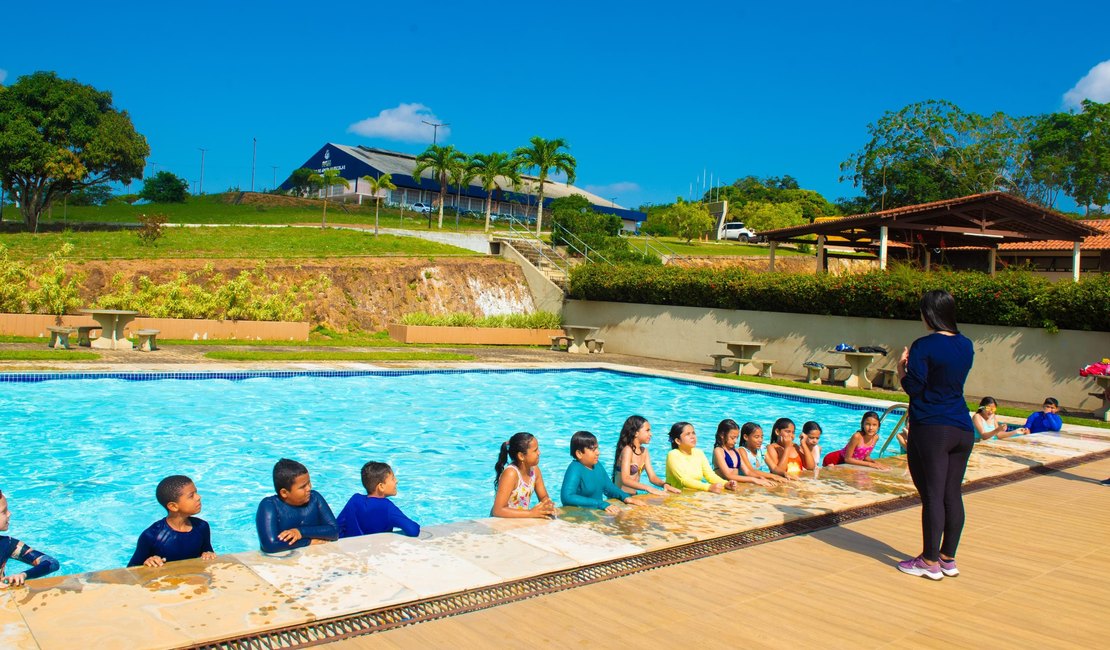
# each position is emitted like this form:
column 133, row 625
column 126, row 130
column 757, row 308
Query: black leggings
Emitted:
column 937, row 456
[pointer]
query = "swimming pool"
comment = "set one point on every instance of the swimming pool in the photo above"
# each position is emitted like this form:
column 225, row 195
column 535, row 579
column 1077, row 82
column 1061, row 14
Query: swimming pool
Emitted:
column 84, row 452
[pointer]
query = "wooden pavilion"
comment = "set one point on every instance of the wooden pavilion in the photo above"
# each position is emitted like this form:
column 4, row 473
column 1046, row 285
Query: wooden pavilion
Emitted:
column 982, row 221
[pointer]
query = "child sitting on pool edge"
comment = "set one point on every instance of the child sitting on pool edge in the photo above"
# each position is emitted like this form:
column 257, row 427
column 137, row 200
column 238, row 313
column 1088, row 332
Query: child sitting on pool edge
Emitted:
column 586, row 485
column 373, row 512
column 297, row 515
column 11, row 548
column 180, row 535
column 514, row 492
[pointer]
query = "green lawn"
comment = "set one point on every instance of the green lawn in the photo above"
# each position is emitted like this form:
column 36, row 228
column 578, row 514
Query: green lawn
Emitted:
column 231, row 242
column 714, row 248
column 319, row 355
column 47, row 355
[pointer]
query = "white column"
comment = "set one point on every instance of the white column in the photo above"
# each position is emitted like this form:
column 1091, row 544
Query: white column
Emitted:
column 1075, row 262
column 882, row 248
column 771, row 258
column 993, row 260
column 820, row 253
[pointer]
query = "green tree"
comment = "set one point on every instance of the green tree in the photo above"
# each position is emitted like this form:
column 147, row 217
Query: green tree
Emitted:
column 461, row 174
column 934, row 150
column 377, row 185
column 327, row 180
column 58, row 136
column 488, row 168
column 688, row 220
column 164, row 187
column 92, row 195
column 301, row 181
column 441, row 160
column 760, row 216
column 545, row 156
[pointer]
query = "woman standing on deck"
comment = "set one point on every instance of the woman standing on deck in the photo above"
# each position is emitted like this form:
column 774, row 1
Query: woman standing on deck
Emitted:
column 933, row 371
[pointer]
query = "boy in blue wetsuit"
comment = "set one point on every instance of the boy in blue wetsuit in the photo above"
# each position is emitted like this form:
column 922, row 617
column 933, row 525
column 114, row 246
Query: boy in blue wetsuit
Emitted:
column 585, row 484
column 1047, row 419
column 181, row 535
column 373, row 512
column 13, row 549
column 297, row 515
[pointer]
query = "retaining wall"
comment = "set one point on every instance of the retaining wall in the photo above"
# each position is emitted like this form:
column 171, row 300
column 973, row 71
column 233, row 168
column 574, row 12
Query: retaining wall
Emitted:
column 169, row 328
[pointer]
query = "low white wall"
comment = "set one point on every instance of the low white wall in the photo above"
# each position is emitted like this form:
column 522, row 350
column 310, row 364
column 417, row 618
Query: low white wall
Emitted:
column 477, row 242
column 1016, row 364
column 545, row 294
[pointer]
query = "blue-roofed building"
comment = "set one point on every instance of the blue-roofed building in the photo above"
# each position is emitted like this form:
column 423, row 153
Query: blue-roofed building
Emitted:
column 353, row 163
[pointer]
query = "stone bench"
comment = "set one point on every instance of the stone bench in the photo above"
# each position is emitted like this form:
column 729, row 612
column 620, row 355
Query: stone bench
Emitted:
column 833, row 368
column 560, row 343
column 596, row 346
column 887, row 378
column 147, row 340
column 813, row 375
column 59, row 337
column 719, row 361
column 83, row 332
column 764, row 366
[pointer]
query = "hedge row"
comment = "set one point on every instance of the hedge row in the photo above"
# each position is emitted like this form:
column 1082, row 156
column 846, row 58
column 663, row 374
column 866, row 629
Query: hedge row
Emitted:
column 1012, row 298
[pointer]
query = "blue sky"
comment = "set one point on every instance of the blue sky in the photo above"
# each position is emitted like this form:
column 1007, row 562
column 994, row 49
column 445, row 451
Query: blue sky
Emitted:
column 648, row 94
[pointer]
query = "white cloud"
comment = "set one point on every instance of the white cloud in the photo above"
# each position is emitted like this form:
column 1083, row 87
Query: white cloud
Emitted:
column 1095, row 86
column 3, row 75
column 404, row 123
column 613, row 189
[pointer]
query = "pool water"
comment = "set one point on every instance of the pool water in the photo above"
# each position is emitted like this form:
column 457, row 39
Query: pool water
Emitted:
column 82, row 457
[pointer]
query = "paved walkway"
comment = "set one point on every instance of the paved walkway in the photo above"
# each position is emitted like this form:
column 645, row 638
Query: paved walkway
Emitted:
column 1033, row 558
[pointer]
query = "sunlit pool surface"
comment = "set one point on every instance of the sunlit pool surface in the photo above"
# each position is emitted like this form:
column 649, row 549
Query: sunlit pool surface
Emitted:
column 82, row 456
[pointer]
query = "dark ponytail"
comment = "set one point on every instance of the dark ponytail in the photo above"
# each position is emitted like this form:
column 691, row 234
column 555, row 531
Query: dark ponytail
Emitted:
column 628, row 435
column 518, row 444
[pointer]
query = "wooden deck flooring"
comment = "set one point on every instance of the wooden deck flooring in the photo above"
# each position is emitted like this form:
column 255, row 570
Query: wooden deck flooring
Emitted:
column 1034, row 558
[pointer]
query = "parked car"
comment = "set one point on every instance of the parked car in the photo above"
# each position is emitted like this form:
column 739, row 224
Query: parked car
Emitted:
column 420, row 207
column 736, row 230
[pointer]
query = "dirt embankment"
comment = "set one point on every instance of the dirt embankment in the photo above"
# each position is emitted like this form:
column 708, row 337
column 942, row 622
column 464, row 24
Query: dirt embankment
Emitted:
column 365, row 293
column 787, row 264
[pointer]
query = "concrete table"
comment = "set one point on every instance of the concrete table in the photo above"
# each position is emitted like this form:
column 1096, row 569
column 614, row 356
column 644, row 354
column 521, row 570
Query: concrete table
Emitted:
column 578, row 335
column 858, row 363
column 1103, row 412
column 743, row 349
column 113, row 322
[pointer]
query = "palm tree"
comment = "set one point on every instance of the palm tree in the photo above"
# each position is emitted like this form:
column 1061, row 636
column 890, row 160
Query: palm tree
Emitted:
column 487, row 167
column 441, row 160
column 383, row 182
column 461, row 174
column 544, row 156
column 327, row 179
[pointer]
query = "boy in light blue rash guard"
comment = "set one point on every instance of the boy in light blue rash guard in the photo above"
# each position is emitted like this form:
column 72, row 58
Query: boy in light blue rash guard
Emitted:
column 13, row 549
column 585, row 484
column 179, row 535
column 297, row 515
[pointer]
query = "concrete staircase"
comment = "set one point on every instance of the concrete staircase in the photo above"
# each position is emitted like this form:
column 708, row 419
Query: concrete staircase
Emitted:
column 553, row 264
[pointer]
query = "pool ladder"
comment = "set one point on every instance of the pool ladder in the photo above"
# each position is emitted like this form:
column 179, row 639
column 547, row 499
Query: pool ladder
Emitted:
column 905, row 408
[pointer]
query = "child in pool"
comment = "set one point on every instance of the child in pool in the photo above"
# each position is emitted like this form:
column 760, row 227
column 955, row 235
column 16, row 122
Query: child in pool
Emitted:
column 986, row 422
column 586, row 485
column 514, row 491
column 726, row 459
column 751, row 461
column 633, row 459
column 297, row 515
column 858, row 449
column 811, row 444
column 784, row 456
column 13, row 549
column 687, row 466
column 373, row 512
column 180, row 535
column 1046, row 419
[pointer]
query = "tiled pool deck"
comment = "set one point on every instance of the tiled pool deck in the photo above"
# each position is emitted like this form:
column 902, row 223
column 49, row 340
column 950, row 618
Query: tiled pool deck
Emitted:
column 243, row 594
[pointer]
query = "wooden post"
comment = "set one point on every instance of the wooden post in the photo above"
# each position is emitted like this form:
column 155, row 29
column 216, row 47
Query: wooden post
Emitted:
column 1075, row 262
column 882, row 247
column 771, row 259
column 992, row 256
column 820, row 253
column 928, row 259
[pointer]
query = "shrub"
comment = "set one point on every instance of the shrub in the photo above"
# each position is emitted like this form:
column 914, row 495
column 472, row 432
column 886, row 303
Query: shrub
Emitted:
column 151, row 228
column 535, row 320
column 1012, row 298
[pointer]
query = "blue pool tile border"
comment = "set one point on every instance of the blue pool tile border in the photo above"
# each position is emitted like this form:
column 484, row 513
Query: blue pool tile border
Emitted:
column 240, row 375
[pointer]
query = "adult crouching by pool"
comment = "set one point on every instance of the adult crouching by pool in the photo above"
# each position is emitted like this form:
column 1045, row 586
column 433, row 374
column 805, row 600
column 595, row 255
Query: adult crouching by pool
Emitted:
column 933, row 371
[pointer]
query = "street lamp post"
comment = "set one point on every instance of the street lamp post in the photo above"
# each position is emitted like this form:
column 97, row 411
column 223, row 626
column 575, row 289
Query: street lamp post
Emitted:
column 254, row 158
column 200, row 184
column 435, row 129
column 274, row 167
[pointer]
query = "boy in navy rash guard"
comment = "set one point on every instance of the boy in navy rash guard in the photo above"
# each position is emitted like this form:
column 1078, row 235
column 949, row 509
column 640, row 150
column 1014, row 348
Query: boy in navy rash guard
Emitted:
column 297, row 515
column 13, row 549
column 180, row 535
column 373, row 512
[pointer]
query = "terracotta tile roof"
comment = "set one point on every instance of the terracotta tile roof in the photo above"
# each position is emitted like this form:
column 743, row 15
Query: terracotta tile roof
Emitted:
column 1093, row 243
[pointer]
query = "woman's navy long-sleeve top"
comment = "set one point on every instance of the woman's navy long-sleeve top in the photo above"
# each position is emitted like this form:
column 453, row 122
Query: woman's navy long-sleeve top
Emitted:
column 935, row 376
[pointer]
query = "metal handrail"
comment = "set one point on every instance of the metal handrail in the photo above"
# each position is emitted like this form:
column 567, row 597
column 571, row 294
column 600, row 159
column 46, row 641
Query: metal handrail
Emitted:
column 584, row 251
column 897, row 427
column 525, row 234
column 659, row 249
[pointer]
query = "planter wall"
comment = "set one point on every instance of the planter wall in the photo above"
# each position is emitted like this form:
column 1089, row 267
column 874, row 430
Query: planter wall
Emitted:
column 470, row 335
column 170, row 328
column 1018, row 364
